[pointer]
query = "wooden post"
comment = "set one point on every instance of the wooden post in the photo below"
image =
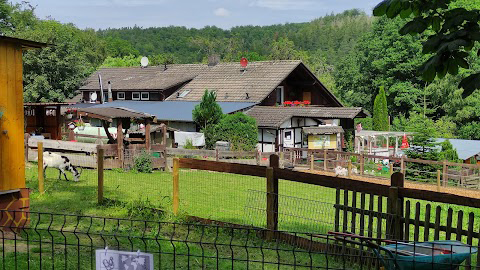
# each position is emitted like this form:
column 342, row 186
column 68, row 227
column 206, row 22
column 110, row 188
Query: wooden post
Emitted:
column 438, row 180
column 396, row 205
column 147, row 134
column 71, row 135
column 41, row 188
column 176, row 200
column 100, row 160
column 325, row 156
column 391, row 169
column 164, row 135
column 216, row 155
column 312, row 159
column 445, row 173
column 120, row 141
column 402, row 165
column 272, row 196
column 257, row 156
column 349, row 170
column 26, row 138
column 362, row 164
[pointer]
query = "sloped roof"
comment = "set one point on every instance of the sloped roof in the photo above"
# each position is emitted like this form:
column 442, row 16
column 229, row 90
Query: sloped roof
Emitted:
column 465, row 148
column 323, row 130
column 26, row 44
column 170, row 110
column 231, row 82
column 112, row 113
column 149, row 78
column 270, row 116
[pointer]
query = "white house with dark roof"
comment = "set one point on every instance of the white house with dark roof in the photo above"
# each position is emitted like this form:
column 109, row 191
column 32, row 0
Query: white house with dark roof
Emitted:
column 261, row 90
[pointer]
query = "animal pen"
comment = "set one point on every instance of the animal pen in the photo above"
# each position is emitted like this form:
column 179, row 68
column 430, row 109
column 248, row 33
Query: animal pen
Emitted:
column 265, row 210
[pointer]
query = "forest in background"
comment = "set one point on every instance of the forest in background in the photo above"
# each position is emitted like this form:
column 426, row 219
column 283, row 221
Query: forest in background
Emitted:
column 352, row 53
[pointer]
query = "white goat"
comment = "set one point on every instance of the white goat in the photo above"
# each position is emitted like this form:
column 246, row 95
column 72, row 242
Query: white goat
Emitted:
column 339, row 170
column 61, row 163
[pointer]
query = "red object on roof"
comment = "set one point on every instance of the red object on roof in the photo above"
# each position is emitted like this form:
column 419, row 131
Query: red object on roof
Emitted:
column 405, row 142
column 244, row 62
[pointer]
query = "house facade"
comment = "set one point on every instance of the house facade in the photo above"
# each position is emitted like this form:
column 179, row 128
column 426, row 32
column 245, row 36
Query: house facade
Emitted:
column 285, row 98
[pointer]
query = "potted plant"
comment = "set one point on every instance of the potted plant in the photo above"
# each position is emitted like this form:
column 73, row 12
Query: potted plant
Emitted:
column 80, row 124
column 287, row 103
column 306, row 102
column 297, row 103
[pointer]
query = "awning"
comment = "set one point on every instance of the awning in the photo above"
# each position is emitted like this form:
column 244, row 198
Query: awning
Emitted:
column 323, row 130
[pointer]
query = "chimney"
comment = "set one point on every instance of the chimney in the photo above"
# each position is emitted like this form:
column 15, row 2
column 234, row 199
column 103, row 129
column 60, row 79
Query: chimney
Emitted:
column 110, row 96
column 213, row 60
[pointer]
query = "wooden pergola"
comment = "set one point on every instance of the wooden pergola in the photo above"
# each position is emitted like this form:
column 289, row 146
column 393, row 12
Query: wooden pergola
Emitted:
column 122, row 117
column 366, row 141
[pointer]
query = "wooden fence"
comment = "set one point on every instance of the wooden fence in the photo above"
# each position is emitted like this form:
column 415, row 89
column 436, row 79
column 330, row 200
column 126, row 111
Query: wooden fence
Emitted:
column 85, row 154
column 451, row 173
column 370, row 209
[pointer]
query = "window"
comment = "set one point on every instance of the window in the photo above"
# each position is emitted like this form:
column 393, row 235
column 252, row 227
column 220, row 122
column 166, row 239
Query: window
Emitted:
column 145, row 96
column 280, row 95
column 183, row 93
column 105, row 96
column 120, row 95
column 136, row 96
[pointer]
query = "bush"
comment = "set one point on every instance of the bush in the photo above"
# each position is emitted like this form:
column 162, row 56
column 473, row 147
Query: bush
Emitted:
column 239, row 129
column 143, row 162
column 189, row 144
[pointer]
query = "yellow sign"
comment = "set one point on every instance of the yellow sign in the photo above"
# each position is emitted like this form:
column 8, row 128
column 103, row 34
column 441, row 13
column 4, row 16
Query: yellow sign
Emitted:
column 322, row 141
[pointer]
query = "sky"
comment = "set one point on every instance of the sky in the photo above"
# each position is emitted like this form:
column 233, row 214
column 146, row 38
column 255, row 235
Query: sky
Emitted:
column 101, row 14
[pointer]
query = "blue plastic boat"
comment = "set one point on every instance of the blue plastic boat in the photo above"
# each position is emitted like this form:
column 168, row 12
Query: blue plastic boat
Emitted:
column 436, row 255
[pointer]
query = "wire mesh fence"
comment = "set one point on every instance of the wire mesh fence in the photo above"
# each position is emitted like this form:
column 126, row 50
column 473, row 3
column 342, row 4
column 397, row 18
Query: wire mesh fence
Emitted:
column 59, row 241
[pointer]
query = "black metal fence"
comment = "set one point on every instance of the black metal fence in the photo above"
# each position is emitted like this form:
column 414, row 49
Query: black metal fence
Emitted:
column 59, row 241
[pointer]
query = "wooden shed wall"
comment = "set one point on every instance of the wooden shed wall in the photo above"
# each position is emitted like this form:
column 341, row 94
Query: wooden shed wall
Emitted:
column 12, row 164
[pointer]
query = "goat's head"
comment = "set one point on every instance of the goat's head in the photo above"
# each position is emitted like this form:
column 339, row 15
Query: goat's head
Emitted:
column 76, row 173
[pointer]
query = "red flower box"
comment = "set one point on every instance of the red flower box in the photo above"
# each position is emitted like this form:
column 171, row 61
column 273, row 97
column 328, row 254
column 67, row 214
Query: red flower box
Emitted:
column 307, row 102
column 286, row 103
column 296, row 102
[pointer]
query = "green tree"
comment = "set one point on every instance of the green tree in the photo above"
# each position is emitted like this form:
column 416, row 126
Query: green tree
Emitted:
column 239, row 129
column 452, row 34
column 125, row 61
column 380, row 112
column 207, row 114
column 117, row 47
column 448, row 152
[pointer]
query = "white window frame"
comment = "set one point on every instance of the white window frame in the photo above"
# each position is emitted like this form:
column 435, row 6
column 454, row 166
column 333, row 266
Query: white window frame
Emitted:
column 282, row 94
column 118, row 95
column 139, row 96
column 148, row 95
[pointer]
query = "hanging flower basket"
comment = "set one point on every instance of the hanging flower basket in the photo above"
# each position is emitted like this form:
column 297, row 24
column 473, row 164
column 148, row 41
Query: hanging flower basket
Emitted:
column 69, row 115
column 80, row 124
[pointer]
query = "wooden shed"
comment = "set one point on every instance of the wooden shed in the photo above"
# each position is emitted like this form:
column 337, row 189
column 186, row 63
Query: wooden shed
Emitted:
column 13, row 194
column 44, row 119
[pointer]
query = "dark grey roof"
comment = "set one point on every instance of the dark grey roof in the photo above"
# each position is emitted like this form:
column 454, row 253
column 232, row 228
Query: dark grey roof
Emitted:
column 172, row 110
column 270, row 116
column 323, row 130
column 149, row 78
column 465, row 148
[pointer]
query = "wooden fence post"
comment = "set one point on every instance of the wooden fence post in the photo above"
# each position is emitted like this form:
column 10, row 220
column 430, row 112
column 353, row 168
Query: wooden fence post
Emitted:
column 438, row 180
column 325, row 157
column 26, row 137
column 396, row 206
column 391, row 169
column 100, row 162
column 176, row 201
column 349, row 168
column 217, row 158
column 402, row 165
column 445, row 173
column 312, row 159
column 41, row 187
column 272, row 197
column 257, row 156
column 362, row 164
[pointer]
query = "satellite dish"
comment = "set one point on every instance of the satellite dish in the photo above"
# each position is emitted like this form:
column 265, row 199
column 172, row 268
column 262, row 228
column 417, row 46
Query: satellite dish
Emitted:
column 144, row 62
column 93, row 96
column 244, row 62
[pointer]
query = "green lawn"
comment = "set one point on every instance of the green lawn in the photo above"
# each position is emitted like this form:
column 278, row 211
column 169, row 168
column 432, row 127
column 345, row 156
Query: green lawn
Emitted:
column 133, row 195
column 217, row 196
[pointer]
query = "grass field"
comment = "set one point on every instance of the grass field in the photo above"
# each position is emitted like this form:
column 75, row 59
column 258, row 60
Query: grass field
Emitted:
column 217, row 196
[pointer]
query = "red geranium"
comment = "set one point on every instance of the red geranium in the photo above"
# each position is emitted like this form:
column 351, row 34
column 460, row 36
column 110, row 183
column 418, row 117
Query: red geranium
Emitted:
column 287, row 103
column 296, row 102
column 307, row 102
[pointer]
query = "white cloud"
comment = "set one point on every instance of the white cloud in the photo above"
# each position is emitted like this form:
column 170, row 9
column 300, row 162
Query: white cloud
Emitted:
column 221, row 12
column 283, row 4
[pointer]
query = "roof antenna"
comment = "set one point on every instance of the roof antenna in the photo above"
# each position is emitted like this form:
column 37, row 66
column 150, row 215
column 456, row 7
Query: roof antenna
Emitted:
column 248, row 97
